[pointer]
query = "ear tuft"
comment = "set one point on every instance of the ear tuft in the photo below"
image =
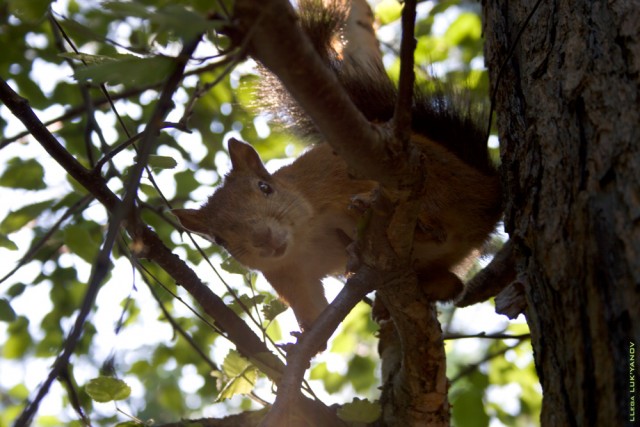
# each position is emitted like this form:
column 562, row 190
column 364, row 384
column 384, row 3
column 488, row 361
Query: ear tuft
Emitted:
column 244, row 158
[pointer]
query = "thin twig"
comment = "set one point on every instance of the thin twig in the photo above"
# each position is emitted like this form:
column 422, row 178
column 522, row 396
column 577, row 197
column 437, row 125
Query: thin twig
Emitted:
column 498, row 336
column 470, row 368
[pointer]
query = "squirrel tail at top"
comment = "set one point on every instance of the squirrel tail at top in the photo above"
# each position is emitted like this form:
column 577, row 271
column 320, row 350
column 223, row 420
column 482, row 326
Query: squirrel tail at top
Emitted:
column 342, row 33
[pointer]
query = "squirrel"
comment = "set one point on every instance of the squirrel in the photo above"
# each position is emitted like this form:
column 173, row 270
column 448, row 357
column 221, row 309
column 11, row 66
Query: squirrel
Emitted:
column 294, row 226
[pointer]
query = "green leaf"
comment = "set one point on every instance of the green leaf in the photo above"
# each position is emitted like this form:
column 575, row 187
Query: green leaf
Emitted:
column 388, row 11
column 78, row 30
column 162, row 162
column 127, row 70
column 185, row 183
column 78, row 239
column 32, row 10
column 241, row 373
column 234, row 364
column 15, row 220
column 173, row 17
column 246, row 92
column 273, row 309
column 27, row 174
column 19, row 340
column 128, row 9
column 6, row 311
column 16, row 290
column 89, row 59
column 19, row 392
column 106, row 389
column 182, row 22
column 245, row 303
column 230, row 265
column 467, row 401
column 431, row 49
column 361, row 373
column 468, row 27
column 333, row 381
column 6, row 243
column 148, row 190
column 360, row 411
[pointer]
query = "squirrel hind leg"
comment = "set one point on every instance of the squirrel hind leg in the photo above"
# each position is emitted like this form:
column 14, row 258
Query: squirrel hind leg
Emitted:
column 440, row 285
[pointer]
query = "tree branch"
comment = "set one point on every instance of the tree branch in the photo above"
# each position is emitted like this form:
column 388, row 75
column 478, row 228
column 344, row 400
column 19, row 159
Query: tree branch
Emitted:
column 402, row 113
column 278, row 43
column 154, row 249
column 311, row 342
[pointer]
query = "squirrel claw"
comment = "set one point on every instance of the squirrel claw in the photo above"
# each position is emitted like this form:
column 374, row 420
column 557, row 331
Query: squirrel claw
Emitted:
column 361, row 202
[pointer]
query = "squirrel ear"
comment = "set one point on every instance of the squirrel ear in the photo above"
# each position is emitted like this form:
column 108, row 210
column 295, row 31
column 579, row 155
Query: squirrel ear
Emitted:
column 192, row 219
column 245, row 157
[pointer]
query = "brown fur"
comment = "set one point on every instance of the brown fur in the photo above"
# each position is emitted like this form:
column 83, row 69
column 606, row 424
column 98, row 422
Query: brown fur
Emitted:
column 297, row 233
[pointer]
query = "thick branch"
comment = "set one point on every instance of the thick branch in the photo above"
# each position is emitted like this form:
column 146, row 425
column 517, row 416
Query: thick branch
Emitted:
column 312, row 341
column 402, row 114
column 277, row 42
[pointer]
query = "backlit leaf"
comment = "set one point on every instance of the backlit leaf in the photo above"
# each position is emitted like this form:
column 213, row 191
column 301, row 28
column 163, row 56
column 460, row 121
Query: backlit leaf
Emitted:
column 162, row 162
column 6, row 243
column 27, row 174
column 273, row 309
column 241, row 373
column 78, row 239
column 6, row 311
column 32, row 10
column 19, row 340
column 106, row 389
column 388, row 11
column 127, row 70
column 17, row 219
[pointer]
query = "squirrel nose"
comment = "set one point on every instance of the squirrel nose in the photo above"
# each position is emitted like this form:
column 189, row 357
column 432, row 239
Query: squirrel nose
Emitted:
column 270, row 243
column 262, row 237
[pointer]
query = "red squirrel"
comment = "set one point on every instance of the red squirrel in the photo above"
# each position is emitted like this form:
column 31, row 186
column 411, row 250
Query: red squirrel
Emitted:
column 294, row 225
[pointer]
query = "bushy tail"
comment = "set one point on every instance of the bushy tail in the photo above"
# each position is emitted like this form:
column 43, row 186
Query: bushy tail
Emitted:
column 439, row 114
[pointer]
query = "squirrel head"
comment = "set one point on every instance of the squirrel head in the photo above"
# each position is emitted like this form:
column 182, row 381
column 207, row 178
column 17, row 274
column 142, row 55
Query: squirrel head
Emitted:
column 253, row 215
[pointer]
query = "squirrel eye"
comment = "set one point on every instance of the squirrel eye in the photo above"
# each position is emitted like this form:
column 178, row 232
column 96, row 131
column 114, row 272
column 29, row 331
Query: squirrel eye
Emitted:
column 218, row 241
column 265, row 188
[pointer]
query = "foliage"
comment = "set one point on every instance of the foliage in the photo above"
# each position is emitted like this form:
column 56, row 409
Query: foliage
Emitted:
column 147, row 344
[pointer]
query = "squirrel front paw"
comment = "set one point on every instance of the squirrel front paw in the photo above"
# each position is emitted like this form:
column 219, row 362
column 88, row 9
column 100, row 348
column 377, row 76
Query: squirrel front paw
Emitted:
column 361, row 202
column 441, row 285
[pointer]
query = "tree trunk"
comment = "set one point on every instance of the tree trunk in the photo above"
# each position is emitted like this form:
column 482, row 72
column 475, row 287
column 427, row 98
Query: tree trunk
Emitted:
column 569, row 122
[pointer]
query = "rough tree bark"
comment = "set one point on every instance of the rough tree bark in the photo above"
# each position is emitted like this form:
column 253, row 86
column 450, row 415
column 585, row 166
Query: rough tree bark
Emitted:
column 569, row 121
